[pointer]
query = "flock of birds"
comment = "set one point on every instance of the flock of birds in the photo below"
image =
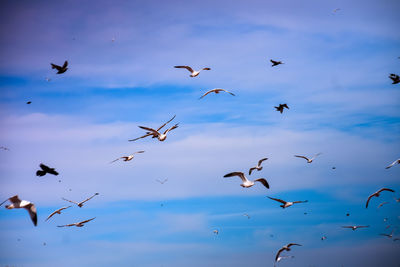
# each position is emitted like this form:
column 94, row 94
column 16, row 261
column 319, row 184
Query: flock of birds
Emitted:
column 161, row 135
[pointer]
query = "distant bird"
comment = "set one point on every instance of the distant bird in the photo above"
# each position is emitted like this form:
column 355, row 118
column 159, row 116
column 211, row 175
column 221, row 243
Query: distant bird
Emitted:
column 4, row 148
column 48, row 79
column 113, row 39
column 216, row 232
column 377, row 194
column 128, row 158
column 78, row 224
column 59, row 68
column 246, row 183
column 57, row 212
column 45, row 169
column 388, row 235
column 355, row 227
column 217, row 91
column 308, row 160
column 397, row 161
column 163, row 181
column 347, row 214
column 383, row 203
column 336, row 10
column 396, row 199
column 395, row 78
column 152, row 133
column 80, row 204
column 385, row 219
column 333, row 168
column 29, row 102
column 17, row 203
column 194, row 73
column 287, row 248
column 396, row 239
column 275, row 63
column 287, row 204
column 258, row 167
column 281, row 107
column 247, row 215
column 323, row 238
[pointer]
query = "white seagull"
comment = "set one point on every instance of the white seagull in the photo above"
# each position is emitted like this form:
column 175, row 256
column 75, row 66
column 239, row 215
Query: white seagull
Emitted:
column 78, row 224
column 194, row 73
column 287, row 248
column 155, row 133
column 258, row 167
column 217, row 91
column 397, row 161
column 17, row 203
column 247, row 183
column 160, row 136
column 57, row 212
column 308, row 160
column 287, row 203
column 128, row 158
column 355, row 227
column 80, row 204
column 377, row 194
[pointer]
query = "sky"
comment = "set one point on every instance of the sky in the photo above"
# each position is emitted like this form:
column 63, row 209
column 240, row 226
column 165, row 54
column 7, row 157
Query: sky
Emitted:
column 121, row 75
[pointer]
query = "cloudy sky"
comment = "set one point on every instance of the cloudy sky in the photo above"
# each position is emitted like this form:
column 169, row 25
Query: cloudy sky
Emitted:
column 121, row 56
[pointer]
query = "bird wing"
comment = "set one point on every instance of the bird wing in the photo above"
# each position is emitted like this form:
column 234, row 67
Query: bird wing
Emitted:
column 369, row 198
column 67, row 225
column 316, row 155
column 273, row 61
column 279, row 253
column 141, row 137
column 89, row 198
column 303, row 157
column 15, row 199
column 347, row 226
column 385, row 189
column 170, row 129
column 150, row 129
column 159, row 128
column 260, row 161
column 184, row 67
column 220, row 89
column 293, row 244
column 240, row 174
column 385, row 235
column 85, row 221
column 209, row 91
column 70, row 201
column 394, row 162
column 65, row 64
column 251, row 170
column 277, row 199
column 52, row 171
column 285, row 106
column 51, row 215
column 44, row 167
column 206, row 69
column 362, row 226
column 54, row 66
column 263, row 181
column 115, row 160
column 304, row 201
column 32, row 212
column 141, row 151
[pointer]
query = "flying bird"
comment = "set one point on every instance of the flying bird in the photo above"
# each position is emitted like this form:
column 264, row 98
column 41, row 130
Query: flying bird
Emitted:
column 128, row 158
column 383, row 203
column 395, row 78
column 323, row 238
column 258, row 167
column 247, row 215
column 216, row 232
column 17, row 203
column 275, row 63
column 152, row 133
column 193, row 72
column 397, row 161
column 377, row 194
column 160, row 136
column 287, row 248
column 60, row 69
column 48, row 79
column 281, row 107
column 78, row 224
column 45, row 169
column 80, row 204
column 29, row 102
column 4, row 148
column 246, row 183
column 308, row 160
column 388, row 235
column 355, row 227
column 217, row 91
column 287, row 204
column 57, row 212
column 163, row 181
column 336, row 10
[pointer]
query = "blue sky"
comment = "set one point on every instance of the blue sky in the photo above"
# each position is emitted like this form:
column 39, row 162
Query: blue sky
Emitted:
column 335, row 81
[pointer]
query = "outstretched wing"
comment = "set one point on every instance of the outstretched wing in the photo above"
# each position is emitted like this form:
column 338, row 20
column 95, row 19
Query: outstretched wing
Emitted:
column 293, row 244
column 54, row 66
column 303, row 157
column 89, row 198
column 32, row 212
column 394, row 162
column 170, row 129
column 369, row 198
column 184, row 67
column 251, row 170
column 385, row 189
column 240, row 174
column 304, row 201
column 65, row 64
column 67, row 225
column 115, row 160
column 220, row 89
column 82, row 222
column 279, row 253
column 277, row 199
column 149, row 129
column 263, row 181
column 159, row 128
column 209, row 91
column 141, row 137
column 261, row 160
column 70, row 201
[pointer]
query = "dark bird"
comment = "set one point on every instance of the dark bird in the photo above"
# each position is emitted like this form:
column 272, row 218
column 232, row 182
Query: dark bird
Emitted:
column 287, row 203
column 78, row 224
column 281, row 107
column 194, row 73
column 29, row 206
column 355, row 227
column 80, row 204
column 275, row 63
column 287, row 248
column 29, row 102
column 154, row 133
column 388, row 235
column 59, row 69
column 258, row 167
column 377, row 194
column 246, row 183
column 395, row 78
column 4, row 148
column 45, row 169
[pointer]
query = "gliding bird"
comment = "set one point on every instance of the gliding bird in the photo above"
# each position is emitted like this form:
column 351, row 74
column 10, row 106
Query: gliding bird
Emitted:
column 355, row 227
column 377, row 194
column 80, row 204
column 308, row 160
column 285, row 203
column 151, row 133
column 397, row 161
column 246, row 183
column 287, row 248
column 45, row 169
column 57, row 212
column 60, row 69
column 258, row 167
column 78, row 224
column 194, row 73
column 217, row 91
column 128, row 158
column 275, row 63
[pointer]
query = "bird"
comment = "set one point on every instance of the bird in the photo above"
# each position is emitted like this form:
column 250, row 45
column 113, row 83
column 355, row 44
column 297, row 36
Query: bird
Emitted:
column 48, row 79
column 163, row 181
column 383, row 203
column 396, row 199
column 151, row 133
column 247, row 215
column 355, row 227
column 216, row 232
column 336, row 10
column 377, row 194
column 78, row 224
column 194, row 73
column 287, row 204
column 308, row 160
column 29, row 102
column 17, row 203
column 275, row 63
column 258, row 167
column 60, row 69
column 287, row 248
column 113, row 39
column 45, row 169
column 347, row 214
column 57, row 212
column 80, row 204
column 388, row 235
column 281, row 107
column 246, row 183
column 323, row 238
column 4, row 148
column 217, row 91
column 128, row 158
column 160, row 136
column 397, row 161
column 395, row 78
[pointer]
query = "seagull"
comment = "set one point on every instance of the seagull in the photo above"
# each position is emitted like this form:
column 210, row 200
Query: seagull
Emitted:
column 128, row 158
column 163, row 181
column 193, row 72
column 308, row 160
column 397, row 161
column 80, row 204
column 151, row 133
column 78, row 224
column 247, row 215
column 18, row 203
column 355, row 227
column 60, row 69
column 217, row 91
column 57, row 212
column 246, row 183
column 275, row 63
column 45, row 169
column 281, row 107
column 323, row 238
column 29, row 102
column 388, row 235
column 383, row 203
column 4, row 148
column 258, row 167
column 287, row 248
column 287, row 204
column 377, row 194
column 216, row 232
column 395, row 78
column 160, row 136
